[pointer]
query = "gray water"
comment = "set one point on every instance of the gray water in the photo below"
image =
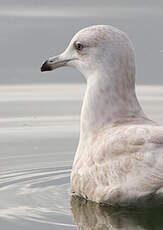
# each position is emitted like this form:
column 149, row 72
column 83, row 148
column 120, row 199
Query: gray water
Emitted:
column 39, row 115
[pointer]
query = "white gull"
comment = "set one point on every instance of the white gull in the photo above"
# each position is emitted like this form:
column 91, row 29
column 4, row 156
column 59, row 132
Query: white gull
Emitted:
column 119, row 159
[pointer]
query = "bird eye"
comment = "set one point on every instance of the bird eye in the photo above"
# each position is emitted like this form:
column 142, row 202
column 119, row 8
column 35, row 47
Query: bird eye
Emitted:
column 78, row 46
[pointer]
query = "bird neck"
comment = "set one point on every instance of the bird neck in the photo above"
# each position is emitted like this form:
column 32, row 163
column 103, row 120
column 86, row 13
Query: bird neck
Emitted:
column 107, row 101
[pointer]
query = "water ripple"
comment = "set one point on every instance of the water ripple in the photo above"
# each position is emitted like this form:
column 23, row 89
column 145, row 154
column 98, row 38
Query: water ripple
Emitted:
column 38, row 195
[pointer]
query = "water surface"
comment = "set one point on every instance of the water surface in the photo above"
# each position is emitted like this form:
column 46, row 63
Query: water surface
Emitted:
column 39, row 113
column 31, row 31
column 39, row 131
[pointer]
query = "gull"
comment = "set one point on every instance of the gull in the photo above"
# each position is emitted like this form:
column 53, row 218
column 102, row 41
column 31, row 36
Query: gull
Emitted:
column 119, row 159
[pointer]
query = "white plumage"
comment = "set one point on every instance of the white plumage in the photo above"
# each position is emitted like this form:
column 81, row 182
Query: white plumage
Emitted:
column 119, row 159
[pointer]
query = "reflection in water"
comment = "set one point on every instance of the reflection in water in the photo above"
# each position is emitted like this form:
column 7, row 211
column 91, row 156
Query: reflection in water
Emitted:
column 91, row 216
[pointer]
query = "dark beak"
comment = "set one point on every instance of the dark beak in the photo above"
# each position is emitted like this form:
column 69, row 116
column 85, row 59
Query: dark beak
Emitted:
column 53, row 63
column 46, row 67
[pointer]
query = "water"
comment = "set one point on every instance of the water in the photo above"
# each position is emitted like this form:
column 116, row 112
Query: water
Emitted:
column 31, row 31
column 38, row 138
column 37, row 148
column 39, row 115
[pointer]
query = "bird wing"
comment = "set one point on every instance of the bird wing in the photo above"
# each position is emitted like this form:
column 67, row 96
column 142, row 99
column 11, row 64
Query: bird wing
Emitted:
column 135, row 162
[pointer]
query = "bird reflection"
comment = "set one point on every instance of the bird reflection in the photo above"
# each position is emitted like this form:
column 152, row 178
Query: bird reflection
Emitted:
column 91, row 216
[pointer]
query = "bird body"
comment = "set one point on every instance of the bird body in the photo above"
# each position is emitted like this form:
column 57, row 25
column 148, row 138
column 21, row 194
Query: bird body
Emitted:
column 120, row 164
column 119, row 159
